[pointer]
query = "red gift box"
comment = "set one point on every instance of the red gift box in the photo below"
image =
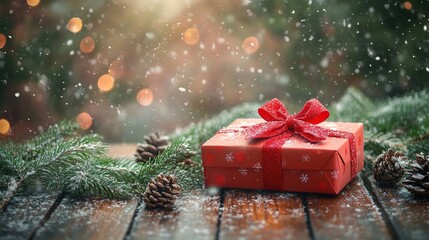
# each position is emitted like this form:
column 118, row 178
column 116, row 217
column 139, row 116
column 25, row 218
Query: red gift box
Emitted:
column 231, row 160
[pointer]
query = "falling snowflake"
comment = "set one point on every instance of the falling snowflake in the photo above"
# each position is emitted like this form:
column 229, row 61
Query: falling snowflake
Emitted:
column 334, row 174
column 257, row 167
column 304, row 178
column 305, row 158
column 243, row 171
column 229, row 157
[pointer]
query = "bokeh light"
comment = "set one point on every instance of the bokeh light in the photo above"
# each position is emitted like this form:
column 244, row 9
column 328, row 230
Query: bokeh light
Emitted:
column 145, row 97
column 191, row 36
column 116, row 69
column 84, row 120
column 250, row 45
column 74, row 25
column 408, row 5
column 33, row 3
column 4, row 127
column 87, row 45
column 105, row 83
column 2, row 40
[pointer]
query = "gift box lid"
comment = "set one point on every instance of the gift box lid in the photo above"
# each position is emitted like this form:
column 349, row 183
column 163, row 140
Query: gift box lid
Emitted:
column 229, row 148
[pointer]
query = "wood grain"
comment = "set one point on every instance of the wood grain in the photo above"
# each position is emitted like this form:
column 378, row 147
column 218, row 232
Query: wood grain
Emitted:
column 23, row 214
column 195, row 216
column 408, row 214
column 263, row 215
column 352, row 214
column 89, row 219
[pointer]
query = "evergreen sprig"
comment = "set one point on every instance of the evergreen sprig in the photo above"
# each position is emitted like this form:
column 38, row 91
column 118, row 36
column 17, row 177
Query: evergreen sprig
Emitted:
column 80, row 168
column 18, row 169
column 197, row 134
column 400, row 123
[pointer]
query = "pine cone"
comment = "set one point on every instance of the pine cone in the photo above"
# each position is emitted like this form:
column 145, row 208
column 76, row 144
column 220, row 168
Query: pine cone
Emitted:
column 388, row 167
column 417, row 178
column 187, row 160
column 154, row 145
column 162, row 191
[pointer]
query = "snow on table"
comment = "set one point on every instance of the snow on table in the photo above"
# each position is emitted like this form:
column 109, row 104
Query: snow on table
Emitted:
column 363, row 210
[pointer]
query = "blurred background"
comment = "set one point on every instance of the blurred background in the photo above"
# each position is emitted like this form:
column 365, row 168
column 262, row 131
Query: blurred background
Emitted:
column 125, row 68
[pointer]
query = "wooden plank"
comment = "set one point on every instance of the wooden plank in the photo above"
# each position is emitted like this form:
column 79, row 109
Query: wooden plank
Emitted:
column 408, row 214
column 263, row 215
column 352, row 214
column 89, row 219
column 92, row 219
column 195, row 215
column 23, row 214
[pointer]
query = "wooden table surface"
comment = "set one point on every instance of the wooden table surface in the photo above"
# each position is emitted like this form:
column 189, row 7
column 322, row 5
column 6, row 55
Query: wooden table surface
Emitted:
column 363, row 210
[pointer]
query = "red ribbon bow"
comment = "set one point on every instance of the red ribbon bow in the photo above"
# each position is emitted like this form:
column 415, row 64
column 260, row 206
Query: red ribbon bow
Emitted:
column 280, row 126
column 278, row 121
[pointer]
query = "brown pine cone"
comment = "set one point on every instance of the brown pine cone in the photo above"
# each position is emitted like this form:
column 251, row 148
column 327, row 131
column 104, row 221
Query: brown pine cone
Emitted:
column 154, row 145
column 162, row 192
column 388, row 167
column 187, row 160
column 417, row 178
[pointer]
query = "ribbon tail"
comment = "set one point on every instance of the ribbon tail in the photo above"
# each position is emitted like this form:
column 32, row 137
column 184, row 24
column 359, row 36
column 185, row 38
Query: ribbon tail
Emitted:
column 272, row 161
column 312, row 133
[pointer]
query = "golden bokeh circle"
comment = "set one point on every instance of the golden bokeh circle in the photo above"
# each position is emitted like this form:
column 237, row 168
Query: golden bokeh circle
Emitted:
column 408, row 5
column 4, row 127
column 33, row 3
column 2, row 40
column 145, row 97
column 84, row 120
column 87, row 45
column 74, row 25
column 105, row 83
column 250, row 45
column 191, row 36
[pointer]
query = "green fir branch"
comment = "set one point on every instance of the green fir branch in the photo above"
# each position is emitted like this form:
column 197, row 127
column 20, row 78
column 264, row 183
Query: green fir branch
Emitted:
column 353, row 106
column 401, row 123
column 53, row 135
column 168, row 162
column 87, row 180
column 197, row 134
column 22, row 165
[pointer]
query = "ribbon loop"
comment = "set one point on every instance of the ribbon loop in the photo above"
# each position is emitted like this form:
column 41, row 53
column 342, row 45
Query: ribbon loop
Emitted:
column 313, row 112
column 273, row 110
column 278, row 121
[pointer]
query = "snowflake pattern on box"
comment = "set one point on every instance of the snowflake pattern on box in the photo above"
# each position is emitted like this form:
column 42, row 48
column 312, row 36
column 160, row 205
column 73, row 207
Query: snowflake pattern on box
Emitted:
column 334, row 174
column 305, row 158
column 242, row 171
column 257, row 167
column 304, row 178
column 229, row 157
column 220, row 180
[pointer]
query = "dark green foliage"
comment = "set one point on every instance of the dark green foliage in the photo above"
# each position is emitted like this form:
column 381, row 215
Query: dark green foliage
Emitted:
column 78, row 166
column 400, row 123
column 198, row 133
column 375, row 45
